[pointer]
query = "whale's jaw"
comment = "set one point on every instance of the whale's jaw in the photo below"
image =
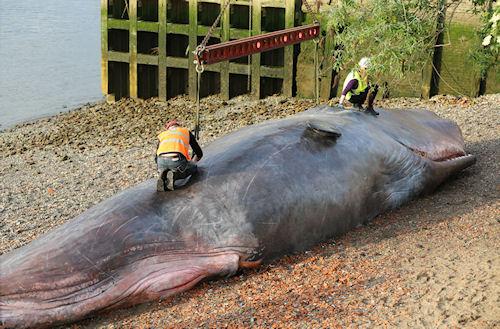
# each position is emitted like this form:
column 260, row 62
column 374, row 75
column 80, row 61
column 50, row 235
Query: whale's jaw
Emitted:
column 159, row 277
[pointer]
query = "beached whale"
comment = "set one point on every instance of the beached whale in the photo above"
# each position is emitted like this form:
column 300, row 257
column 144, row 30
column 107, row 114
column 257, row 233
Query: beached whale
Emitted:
column 263, row 191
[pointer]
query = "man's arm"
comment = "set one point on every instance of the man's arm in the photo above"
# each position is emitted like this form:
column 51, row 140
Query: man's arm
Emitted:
column 351, row 85
column 195, row 146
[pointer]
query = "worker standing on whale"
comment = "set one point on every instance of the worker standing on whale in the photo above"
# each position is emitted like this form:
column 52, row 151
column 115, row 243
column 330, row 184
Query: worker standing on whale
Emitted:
column 357, row 88
column 172, row 155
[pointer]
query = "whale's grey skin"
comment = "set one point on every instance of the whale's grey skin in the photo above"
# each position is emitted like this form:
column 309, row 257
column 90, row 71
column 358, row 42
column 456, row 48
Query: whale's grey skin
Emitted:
column 263, row 191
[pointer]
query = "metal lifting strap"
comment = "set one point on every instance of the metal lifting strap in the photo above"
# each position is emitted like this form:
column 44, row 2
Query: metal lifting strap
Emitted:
column 199, row 71
column 228, row 50
column 197, row 126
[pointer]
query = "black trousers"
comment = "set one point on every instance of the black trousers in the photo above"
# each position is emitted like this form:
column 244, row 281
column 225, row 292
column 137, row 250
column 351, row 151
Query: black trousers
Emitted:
column 360, row 99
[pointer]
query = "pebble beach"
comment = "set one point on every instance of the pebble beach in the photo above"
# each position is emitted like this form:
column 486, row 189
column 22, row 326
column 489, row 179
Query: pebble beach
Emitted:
column 433, row 263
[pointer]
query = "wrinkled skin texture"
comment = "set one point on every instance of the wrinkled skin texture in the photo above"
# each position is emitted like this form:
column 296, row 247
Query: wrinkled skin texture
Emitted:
column 263, row 191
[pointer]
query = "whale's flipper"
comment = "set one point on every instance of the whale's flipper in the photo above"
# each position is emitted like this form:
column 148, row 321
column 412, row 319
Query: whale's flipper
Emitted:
column 323, row 129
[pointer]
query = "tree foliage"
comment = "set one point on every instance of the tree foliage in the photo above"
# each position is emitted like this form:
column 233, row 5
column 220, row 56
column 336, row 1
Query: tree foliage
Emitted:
column 485, row 55
column 398, row 35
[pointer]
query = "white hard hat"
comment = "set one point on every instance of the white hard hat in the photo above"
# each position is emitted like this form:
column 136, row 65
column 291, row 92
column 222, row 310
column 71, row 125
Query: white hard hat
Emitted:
column 364, row 62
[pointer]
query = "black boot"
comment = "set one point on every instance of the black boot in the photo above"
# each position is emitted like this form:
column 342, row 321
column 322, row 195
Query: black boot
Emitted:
column 357, row 107
column 371, row 111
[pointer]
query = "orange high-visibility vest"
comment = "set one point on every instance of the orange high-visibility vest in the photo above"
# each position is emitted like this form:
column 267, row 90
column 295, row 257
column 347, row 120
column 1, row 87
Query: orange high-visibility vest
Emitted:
column 174, row 140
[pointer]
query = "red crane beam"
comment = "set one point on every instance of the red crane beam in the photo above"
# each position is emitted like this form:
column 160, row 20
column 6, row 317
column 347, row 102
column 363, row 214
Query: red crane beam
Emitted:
column 247, row 46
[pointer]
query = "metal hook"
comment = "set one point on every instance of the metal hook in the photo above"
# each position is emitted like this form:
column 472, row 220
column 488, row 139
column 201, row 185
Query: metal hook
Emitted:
column 199, row 67
column 197, row 54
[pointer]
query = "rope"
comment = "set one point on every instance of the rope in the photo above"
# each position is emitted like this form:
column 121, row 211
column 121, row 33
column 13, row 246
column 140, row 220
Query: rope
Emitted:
column 459, row 85
column 316, row 71
column 201, row 47
column 199, row 65
column 125, row 9
column 310, row 11
column 446, row 83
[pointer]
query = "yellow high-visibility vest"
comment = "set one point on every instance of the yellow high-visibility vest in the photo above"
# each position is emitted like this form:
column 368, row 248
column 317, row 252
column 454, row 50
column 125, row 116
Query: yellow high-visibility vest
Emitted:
column 362, row 83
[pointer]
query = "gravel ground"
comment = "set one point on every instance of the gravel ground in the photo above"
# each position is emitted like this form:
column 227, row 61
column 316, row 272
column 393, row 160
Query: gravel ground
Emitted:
column 432, row 263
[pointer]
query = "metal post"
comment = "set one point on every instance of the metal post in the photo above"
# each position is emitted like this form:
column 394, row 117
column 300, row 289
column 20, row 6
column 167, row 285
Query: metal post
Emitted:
column 288, row 67
column 256, row 30
column 224, row 68
column 162, row 50
column 132, row 16
column 104, row 46
column 193, row 42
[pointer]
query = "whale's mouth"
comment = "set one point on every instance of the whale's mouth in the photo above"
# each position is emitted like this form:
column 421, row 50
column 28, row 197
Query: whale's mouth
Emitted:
column 444, row 161
column 442, row 156
column 439, row 154
column 454, row 157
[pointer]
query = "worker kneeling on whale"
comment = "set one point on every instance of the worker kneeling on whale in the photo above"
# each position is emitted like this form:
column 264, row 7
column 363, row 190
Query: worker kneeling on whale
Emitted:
column 357, row 88
column 172, row 155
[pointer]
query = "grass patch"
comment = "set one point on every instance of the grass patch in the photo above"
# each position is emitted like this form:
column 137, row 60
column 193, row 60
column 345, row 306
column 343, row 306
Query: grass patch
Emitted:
column 458, row 73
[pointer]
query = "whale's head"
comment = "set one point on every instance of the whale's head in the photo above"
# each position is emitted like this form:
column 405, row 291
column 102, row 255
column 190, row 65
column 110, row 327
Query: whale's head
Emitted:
column 437, row 141
column 420, row 149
